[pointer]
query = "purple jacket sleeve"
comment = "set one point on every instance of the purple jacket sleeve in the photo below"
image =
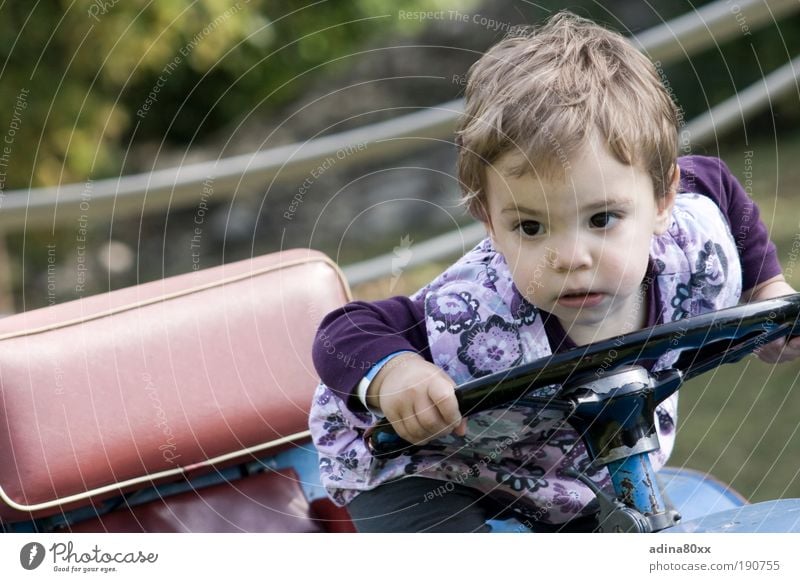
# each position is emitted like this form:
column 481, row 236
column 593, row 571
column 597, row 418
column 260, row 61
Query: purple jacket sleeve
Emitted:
column 712, row 178
column 351, row 339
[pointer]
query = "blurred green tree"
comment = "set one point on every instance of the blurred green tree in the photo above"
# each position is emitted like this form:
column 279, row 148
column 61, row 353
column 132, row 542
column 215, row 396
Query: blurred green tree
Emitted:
column 83, row 78
column 83, row 81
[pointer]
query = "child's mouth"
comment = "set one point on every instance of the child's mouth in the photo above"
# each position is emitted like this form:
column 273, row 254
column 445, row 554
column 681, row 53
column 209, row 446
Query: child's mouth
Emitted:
column 574, row 300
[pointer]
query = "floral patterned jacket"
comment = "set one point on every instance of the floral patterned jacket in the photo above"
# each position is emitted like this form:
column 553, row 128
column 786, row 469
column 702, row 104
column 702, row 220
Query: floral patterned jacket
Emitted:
column 477, row 324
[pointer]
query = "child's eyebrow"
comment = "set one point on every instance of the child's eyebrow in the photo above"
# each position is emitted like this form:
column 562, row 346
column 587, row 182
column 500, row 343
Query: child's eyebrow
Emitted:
column 598, row 205
column 608, row 203
column 514, row 209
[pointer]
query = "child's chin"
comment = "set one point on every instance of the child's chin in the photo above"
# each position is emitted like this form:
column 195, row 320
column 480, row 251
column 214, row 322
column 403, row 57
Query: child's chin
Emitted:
column 582, row 316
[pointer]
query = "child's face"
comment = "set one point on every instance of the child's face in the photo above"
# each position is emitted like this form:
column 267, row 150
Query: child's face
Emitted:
column 578, row 247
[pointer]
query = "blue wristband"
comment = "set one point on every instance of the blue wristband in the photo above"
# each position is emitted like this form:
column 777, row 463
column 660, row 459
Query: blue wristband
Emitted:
column 363, row 386
column 373, row 371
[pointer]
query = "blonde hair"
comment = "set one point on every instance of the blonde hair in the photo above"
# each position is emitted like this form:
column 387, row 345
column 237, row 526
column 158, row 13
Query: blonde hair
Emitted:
column 542, row 92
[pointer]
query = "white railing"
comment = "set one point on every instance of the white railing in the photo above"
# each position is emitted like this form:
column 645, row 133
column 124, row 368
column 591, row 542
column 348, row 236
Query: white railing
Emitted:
column 183, row 186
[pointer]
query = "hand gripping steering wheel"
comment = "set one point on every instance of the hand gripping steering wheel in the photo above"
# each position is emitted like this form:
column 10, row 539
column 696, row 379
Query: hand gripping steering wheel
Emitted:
column 701, row 343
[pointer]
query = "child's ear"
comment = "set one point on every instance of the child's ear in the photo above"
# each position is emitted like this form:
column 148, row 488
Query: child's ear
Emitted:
column 482, row 214
column 665, row 203
column 487, row 224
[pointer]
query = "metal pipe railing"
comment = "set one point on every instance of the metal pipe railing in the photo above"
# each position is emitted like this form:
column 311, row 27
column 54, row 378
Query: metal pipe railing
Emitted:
column 745, row 103
column 183, row 186
column 712, row 24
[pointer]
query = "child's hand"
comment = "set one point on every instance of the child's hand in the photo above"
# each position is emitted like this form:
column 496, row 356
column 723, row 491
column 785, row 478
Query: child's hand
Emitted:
column 783, row 349
column 779, row 351
column 418, row 398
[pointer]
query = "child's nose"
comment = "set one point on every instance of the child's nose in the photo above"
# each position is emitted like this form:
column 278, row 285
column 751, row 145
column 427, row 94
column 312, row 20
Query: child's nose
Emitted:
column 571, row 254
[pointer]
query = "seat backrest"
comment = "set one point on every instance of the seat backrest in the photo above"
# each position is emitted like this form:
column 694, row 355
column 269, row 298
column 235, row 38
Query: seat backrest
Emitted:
column 117, row 391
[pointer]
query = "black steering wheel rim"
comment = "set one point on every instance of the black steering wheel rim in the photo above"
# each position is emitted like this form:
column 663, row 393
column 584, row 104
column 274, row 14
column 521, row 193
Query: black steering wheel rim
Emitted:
column 702, row 342
column 712, row 333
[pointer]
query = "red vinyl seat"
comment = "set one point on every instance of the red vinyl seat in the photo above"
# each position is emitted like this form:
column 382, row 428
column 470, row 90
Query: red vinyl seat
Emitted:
column 164, row 383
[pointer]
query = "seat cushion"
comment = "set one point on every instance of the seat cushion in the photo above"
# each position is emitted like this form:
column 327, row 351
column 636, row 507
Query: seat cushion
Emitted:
column 270, row 502
column 147, row 384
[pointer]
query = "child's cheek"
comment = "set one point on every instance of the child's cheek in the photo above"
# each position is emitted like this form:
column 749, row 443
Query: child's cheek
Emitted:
column 629, row 271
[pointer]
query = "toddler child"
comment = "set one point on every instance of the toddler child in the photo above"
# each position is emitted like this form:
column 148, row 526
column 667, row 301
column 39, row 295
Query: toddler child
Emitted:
column 568, row 155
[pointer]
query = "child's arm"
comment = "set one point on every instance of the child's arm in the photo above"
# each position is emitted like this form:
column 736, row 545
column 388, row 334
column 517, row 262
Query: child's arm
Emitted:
column 417, row 397
column 761, row 270
column 711, row 177
column 780, row 350
column 353, row 338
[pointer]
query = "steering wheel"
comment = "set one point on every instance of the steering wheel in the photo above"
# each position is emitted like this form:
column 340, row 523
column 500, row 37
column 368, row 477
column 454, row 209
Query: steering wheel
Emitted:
column 702, row 343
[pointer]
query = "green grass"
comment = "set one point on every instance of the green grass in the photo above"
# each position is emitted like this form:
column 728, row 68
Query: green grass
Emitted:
column 741, row 422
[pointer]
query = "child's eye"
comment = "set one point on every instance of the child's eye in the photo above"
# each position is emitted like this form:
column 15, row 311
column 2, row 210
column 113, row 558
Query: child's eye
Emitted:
column 603, row 219
column 530, row 227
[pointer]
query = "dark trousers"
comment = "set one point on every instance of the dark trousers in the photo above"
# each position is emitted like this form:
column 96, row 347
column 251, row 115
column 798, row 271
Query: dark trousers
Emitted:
column 417, row 504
